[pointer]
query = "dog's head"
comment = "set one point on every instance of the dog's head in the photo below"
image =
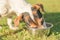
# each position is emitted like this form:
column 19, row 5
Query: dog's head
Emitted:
column 36, row 10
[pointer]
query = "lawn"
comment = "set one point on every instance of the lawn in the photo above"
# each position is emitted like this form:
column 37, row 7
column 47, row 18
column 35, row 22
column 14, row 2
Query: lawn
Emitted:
column 52, row 16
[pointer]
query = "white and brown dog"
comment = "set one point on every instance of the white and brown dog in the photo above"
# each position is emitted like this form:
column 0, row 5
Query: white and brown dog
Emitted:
column 38, row 20
column 19, row 7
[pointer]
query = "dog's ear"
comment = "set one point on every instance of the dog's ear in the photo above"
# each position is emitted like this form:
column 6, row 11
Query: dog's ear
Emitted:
column 41, row 7
column 38, row 6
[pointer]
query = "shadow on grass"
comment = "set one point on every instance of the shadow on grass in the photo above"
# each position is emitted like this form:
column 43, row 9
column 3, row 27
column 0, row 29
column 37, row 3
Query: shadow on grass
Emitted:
column 53, row 18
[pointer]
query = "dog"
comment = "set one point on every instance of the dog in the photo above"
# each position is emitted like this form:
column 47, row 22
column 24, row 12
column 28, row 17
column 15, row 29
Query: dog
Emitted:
column 38, row 20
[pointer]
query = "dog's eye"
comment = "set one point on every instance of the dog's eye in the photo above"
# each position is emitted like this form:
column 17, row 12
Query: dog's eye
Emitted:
column 33, row 8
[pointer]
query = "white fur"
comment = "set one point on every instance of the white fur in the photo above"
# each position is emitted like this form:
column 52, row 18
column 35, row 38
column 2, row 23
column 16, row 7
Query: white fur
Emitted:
column 9, row 22
column 3, row 7
column 20, row 6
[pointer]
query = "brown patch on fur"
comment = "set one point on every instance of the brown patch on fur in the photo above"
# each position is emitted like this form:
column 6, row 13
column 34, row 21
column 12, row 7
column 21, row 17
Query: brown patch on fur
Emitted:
column 16, row 20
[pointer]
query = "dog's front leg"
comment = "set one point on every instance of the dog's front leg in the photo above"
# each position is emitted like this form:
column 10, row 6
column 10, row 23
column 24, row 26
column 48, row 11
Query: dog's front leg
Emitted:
column 9, row 22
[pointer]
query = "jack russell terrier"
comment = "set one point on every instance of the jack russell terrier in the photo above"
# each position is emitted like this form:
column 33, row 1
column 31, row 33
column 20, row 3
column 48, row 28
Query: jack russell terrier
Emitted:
column 38, row 20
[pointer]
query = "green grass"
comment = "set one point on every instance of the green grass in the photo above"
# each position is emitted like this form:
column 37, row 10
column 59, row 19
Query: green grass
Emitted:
column 24, row 34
